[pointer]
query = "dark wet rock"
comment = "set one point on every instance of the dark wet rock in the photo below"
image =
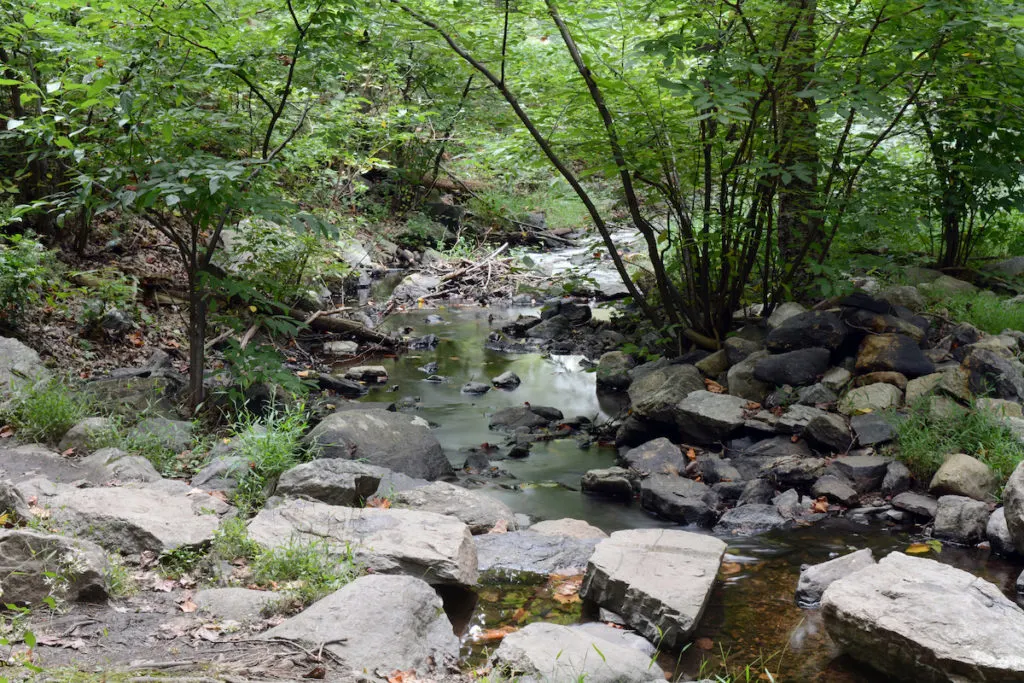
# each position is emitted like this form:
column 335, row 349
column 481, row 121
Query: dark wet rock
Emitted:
column 729, row 492
column 557, row 327
column 708, row 417
column 332, row 480
column 679, row 499
column 963, row 475
column 961, row 520
column 430, row 368
column 872, row 428
column 520, row 326
column 897, row 479
column 714, row 469
column 829, row 431
column 659, row 456
column 998, row 534
column 835, row 490
column 864, row 472
column 424, row 343
column 475, row 388
column 992, row 375
column 916, row 619
column 916, row 504
column 772, row 447
column 506, row 380
column 656, row 395
column 814, row 579
column 757, row 491
column 789, row 505
column 714, row 364
column 613, row 371
column 658, row 580
column 345, row 387
column 528, row 551
column 871, row 399
column 816, row 394
column 747, row 520
column 397, row 441
column 895, row 353
column 894, row 378
column 525, row 416
column 806, row 330
column 552, row 652
column 479, row 512
column 795, row 368
column 743, row 383
column 793, row 471
column 960, row 339
column 577, row 314
column 616, row 483
column 784, row 312
column 377, row 622
column 738, row 349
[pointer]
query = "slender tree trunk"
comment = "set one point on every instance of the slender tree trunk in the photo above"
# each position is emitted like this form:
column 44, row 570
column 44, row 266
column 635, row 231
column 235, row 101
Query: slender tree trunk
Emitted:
column 950, row 230
column 197, row 309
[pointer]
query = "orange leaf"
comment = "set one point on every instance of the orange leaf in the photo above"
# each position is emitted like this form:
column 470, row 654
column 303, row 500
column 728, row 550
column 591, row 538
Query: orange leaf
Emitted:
column 820, row 505
column 691, row 454
column 795, row 438
column 317, row 672
column 378, row 502
column 68, row 453
column 519, row 615
column 188, row 606
column 402, row 676
column 752, row 405
column 304, row 373
column 730, row 568
column 492, row 635
column 917, row 549
column 136, row 338
column 714, row 387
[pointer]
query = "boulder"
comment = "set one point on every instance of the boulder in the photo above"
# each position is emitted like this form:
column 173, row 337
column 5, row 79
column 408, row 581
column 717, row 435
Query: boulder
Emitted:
column 371, row 374
column 795, row 368
column 788, row 504
column 707, row 417
column 894, row 378
column 998, row 408
column 992, row 375
column 836, row 378
column 377, row 622
column 1013, row 504
column 916, row 504
column 397, row 441
column 747, row 520
column 87, row 435
column 134, row 395
column 555, row 327
column 530, row 417
column 237, row 604
column 885, row 323
column 172, row 435
column 904, row 295
column 805, row 330
column 872, row 428
column 892, row 353
column 814, row 579
column 864, row 472
column 18, row 365
column 738, row 349
column 829, row 431
column 568, row 528
column 915, row 619
column 758, row 491
column 816, row 394
column 122, row 467
column 741, row 380
column 658, row 580
column 835, row 490
column 13, row 504
column 793, row 471
column 897, row 479
column 341, row 386
column 479, row 512
column 507, row 380
column 415, row 286
column 659, row 456
column 654, row 396
column 533, row 553
column 715, row 470
column 962, row 475
column 613, row 371
column 784, row 312
column 341, row 348
column 714, row 364
column 35, row 565
column 555, row 653
column 679, row 499
column 332, row 481
column 577, row 314
column 961, row 520
column 475, row 388
column 870, row 399
column 945, row 284
column 998, row 534
column 433, row 547
column 616, row 483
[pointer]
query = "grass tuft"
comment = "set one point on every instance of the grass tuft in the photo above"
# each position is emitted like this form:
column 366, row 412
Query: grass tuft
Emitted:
column 45, row 411
column 269, row 446
column 306, row 571
column 990, row 314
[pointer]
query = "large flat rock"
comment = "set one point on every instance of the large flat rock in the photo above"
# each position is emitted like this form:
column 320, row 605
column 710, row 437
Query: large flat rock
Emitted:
column 377, row 622
column 918, row 620
column 533, row 553
column 477, row 510
column 433, row 547
column 658, row 580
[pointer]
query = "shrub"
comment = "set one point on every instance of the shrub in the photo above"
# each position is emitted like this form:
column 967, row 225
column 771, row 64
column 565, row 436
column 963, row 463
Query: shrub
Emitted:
column 25, row 268
column 306, row 570
column 231, row 541
column 46, row 410
column 268, row 446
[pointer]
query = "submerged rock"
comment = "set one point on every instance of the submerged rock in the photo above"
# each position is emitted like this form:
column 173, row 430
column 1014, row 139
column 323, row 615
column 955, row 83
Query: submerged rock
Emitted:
column 816, row 578
column 750, row 519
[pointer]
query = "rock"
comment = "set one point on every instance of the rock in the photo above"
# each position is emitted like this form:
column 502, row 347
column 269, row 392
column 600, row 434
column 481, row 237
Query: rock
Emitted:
column 617, row 483
column 87, row 435
column 892, row 353
column 872, row 428
column 747, row 520
column 884, row 323
column 341, row 348
column 236, row 604
column 814, row 579
column 714, row 470
column 897, row 479
column 962, row 475
column 433, row 547
column 830, row 431
column 836, row 378
column 864, row 472
column 18, row 365
column 515, row 417
column 424, row 343
column 759, row 491
column 835, row 490
column 788, row 504
column 658, row 580
column 13, row 504
column 1013, row 503
column 659, row 456
column 656, row 395
column 961, row 520
column 714, row 364
column 679, row 499
column 795, row 368
column 613, row 371
column 479, row 512
column 806, row 330
column 134, row 395
column 35, row 565
column 915, row 275
column 172, row 435
column 920, row 387
column 816, row 394
column 916, row 619
column 506, row 380
column 944, row 284
column 373, row 374
column 707, row 417
column 792, row 471
column 377, row 622
column 741, row 380
column 916, row 504
column 1009, row 267
column 475, row 388
column 904, row 295
column 415, row 286
column 872, row 398
column 998, row 534
column 568, row 528
column 784, row 312
column 998, row 408
column 397, row 441
column 122, row 467
column 332, row 481
column 557, row 327
column 528, row 551
column 577, row 314
column 550, row 652
column 894, row 378
column 343, row 387
column 129, row 519
column 992, row 375
column 738, row 349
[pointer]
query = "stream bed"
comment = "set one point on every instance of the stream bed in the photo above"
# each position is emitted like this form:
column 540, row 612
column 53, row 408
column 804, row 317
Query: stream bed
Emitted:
column 752, row 618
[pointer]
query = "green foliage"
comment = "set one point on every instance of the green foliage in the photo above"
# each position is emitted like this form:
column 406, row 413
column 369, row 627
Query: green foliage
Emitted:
column 183, row 560
column 151, row 446
column 231, row 541
column 990, row 314
column 26, row 267
column 306, row 570
column 258, row 364
column 924, row 440
column 268, row 446
column 119, row 579
column 43, row 411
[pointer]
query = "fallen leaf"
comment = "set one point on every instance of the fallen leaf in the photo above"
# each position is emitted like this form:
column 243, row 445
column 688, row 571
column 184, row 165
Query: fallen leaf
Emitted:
column 68, row 453
column 317, row 672
column 136, row 339
column 493, row 635
column 752, row 405
column 304, row 374
column 500, row 527
column 219, row 495
column 705, row 644
column 714, row 387
column 163, row 585
column 6, row 432
column 820, row 505
column 519, row 615
column 795, row 438
column 917, row 549
column 187, row 606
column 691, row 454
column 730, row 568
column 402, row 676
column 378, row 502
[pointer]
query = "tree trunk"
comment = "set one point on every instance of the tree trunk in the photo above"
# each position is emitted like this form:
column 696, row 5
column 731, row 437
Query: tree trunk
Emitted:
column 950, row 253
column 196, row 340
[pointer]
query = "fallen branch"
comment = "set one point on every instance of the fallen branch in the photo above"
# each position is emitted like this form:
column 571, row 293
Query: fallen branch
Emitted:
column 338, row 325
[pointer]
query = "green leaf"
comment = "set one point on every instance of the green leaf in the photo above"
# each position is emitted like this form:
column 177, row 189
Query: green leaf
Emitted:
column 172, row 199
column 14, row 123
column 29, row 638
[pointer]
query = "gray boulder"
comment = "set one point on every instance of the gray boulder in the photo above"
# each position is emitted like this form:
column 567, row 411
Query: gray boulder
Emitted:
column 1013, row 506
column 864, row 472
column 122, row 467
column 872, row 428
column 13, row 504
column 87, row 435
column 18, row 365
column 397, row 441
column 433, row 547
column 998, row 534
column 916, row 504
column 333, row 481
column 237, row 604
column 742, row 382
column 784, row 312
column 656, row 395
column 659, row 456
column 554, row 653
column 173, row 435
column 533, row 553
column 658, row 580
column 962, row 475
column 35, row 565
column 795, row 368
column 897, row 479
column 415, row 286
column 738, row 349
column 568, row 527
column 946, row 284
column 869, row 399
column 806, row 330
column 916, row 619
column 377, row 622
column 793, row 471
column 750, row 519
column 506, row 380
column 613, row 371
column 679, row 499
column 617, row 483
column 990, row 374
column 904, row 295
column 707, row 417
column 814, row 579
column 475, row 388
column 479, row 512
column 835, row 490
column 530, row 417
column 714, row 364
column 829, row 431
column 960, row 519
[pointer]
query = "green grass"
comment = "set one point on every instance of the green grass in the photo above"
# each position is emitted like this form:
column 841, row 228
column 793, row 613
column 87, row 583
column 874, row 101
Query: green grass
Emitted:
column 45, row 411
column 269, row 446
column 150, row 446
column 181, row 561
column 990, row 314
column 231, row 541
column 924, row 441
column 305, row 571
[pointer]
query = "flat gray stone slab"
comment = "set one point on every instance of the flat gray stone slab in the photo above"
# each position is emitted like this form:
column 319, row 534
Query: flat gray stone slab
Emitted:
column 532, row 552
column 236, row 604
column 658, row 580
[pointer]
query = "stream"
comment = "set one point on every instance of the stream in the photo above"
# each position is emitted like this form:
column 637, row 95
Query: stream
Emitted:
column 752, row 618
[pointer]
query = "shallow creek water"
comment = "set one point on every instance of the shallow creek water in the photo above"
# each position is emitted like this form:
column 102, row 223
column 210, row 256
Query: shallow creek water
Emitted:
column 752, row 616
